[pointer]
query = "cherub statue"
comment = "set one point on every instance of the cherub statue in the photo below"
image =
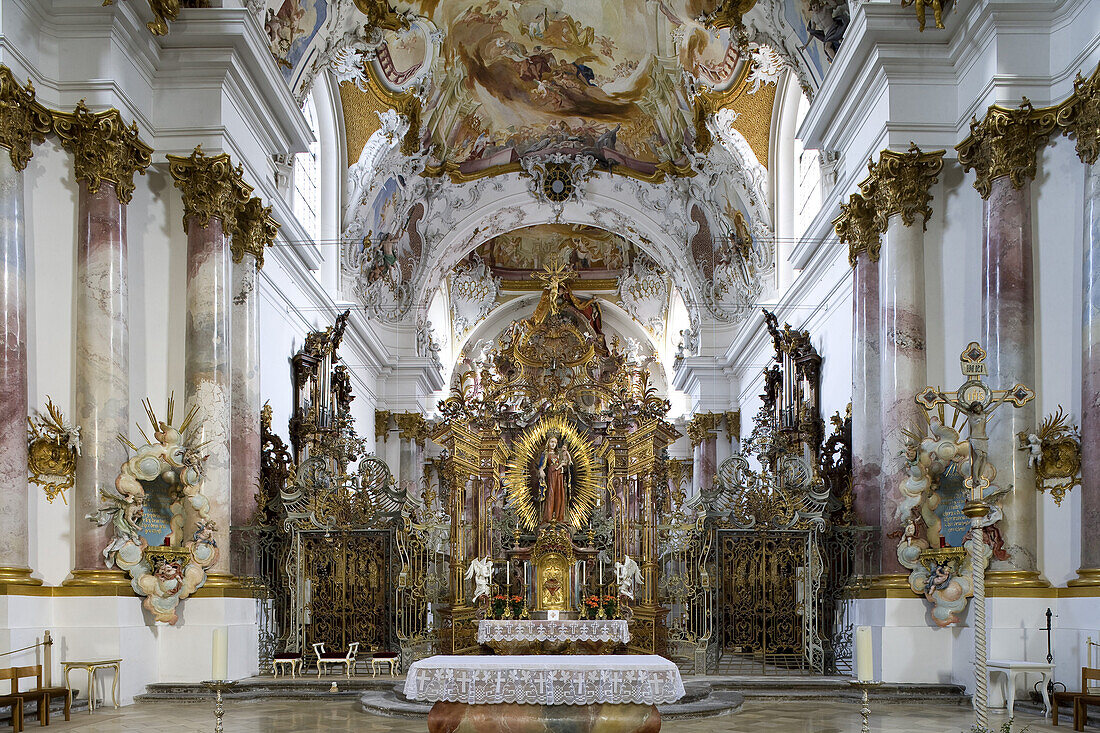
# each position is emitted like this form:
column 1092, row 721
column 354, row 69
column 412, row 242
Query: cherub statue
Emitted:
column 481, row 570
column 1034, row 448
column 910, row 532
column 627, row 573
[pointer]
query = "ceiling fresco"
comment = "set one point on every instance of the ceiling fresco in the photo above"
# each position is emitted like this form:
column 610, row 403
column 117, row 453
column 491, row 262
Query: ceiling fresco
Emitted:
column 593, row 253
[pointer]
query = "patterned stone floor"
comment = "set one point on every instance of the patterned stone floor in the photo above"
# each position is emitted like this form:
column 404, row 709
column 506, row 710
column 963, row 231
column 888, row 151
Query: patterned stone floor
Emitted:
column 340, row 716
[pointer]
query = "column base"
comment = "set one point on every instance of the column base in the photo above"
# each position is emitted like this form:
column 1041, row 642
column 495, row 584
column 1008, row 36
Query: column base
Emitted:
column 1086, row 577
column 17, row 576
column 1014, row 579
column 112, row 577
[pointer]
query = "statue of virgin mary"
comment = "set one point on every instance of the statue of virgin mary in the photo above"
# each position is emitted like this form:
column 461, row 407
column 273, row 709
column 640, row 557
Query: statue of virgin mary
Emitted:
column 554, row 473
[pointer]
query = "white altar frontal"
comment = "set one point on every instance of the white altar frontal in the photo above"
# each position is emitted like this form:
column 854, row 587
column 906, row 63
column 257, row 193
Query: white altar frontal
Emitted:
column 564, row 630
column 543, row 692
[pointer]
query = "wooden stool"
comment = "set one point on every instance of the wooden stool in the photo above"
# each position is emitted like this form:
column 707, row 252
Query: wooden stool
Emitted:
column 380, row 658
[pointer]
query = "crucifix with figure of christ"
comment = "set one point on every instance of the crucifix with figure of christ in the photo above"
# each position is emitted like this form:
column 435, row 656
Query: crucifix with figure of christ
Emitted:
column 554, row 276
column 976, row 402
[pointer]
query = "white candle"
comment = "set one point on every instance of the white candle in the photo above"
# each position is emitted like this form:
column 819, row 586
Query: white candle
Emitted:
column 582, row 572
column 219, row 662
column 601, row 572
column 508, row 573
column 865, row 659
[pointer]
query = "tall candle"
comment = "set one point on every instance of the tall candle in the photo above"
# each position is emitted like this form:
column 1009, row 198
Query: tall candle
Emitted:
column 865, row 658
column 508, row 573
column 219, row 655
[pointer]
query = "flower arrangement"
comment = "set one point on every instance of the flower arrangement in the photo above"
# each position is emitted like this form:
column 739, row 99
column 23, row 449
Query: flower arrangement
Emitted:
column 610, row 606
column 518, row 606
column 500, row 606
column 590, row 607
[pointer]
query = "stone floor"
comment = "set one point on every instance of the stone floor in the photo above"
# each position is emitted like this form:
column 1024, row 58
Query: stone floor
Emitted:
column 337, row 716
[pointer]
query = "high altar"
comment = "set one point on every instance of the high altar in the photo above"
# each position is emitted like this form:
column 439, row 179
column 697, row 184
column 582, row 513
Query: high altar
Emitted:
column 554, row 457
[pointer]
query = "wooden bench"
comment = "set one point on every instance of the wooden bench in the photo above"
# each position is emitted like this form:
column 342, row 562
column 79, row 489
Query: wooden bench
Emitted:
column 42, row 695
column 380, row 658
column 1080, row 701
column 323, row 660
column 13, row 701
column 287, row 659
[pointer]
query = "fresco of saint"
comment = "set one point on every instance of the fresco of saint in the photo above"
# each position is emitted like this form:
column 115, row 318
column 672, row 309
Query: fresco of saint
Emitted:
column 554, row 473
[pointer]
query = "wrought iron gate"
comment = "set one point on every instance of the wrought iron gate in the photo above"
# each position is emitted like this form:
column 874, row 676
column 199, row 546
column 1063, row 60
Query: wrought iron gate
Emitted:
column 347, row 589
column 768, row 598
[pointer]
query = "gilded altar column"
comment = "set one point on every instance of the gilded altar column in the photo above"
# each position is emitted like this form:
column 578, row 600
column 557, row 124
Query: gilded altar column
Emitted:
column 23, row 122
column 254, row 230
column 1002, row 150
column 106, row 154
column 1080, row 117
column 213, row 194
column 856, row 227
column 898, row 189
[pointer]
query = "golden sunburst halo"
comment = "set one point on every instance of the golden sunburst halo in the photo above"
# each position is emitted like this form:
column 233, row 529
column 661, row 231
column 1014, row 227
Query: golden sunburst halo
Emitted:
column 519, row 480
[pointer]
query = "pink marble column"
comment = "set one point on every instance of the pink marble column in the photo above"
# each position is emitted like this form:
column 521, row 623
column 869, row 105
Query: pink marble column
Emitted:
column 207, row 367
column 904, row 365
column 1090, row 385
column 102, row 360
column 866, row 399
column 245, row 414
column 705, row 461
column 14, row 491
column 1008, row 336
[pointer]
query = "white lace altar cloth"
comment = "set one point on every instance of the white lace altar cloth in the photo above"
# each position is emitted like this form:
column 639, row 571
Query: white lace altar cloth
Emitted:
column 564, row 630
column 546, row 680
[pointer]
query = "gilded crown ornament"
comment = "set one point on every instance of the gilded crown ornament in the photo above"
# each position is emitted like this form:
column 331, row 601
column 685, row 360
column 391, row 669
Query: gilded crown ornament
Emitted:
column 103, row 148
column 1079, row 116
column 899, row 184
column 1005, row 143
column 856, row 227
column 255, row 229
column 211, row 187
column 23, row 121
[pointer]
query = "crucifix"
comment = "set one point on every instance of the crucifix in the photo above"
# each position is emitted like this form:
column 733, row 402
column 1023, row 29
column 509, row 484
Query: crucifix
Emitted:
column 976, row 402
column 554, row 275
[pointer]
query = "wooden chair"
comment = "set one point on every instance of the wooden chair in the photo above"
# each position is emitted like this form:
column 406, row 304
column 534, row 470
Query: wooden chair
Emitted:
column 1081, row 702
column 323, row 660
column 42, row 695
column 15, row 702
column 390, row 658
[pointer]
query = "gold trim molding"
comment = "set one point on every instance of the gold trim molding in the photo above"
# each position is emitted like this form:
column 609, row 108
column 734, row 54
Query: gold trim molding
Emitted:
column 103, row 148
column 17, row 576
column 23, row 121
column 1086, row 578
column 899, row 183
column 255, row 229
column 856, row 227
column 101, row 578
column 211, row 187
column 1079, row 116
column 1005, row 143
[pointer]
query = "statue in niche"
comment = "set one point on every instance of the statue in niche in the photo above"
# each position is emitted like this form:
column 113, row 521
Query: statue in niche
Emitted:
column 554, row 473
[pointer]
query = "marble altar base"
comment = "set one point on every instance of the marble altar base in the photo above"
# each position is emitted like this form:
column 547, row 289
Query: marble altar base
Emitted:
column 452, row 717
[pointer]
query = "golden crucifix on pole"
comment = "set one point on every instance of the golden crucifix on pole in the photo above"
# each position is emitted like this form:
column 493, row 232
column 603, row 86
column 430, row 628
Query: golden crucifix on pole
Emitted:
column 976, row 402
column 554, row 276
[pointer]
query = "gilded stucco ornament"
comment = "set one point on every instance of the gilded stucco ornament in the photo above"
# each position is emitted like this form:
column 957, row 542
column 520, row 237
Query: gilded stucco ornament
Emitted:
column 164, row 11
column 255, row 229
column 413, row 427
column 899, row 184
column 856, row 227
column 161, row 530
column 53, row 445
column 1079, row 116
column 1005, row 143
column 1054, row 451
column 381, row 15
column 23, row 121
column 211, row 187
column 381, row 425
column 103, row 148
column 731, row 14
column 703, row 426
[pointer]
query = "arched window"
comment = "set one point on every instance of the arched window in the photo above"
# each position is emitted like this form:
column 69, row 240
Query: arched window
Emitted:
column 807, row 171
column 306, row 178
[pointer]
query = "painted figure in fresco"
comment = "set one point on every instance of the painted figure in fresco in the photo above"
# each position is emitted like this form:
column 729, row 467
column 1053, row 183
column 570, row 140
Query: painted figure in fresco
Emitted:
column 627, row 575
column 481, row 569
column 555, row 477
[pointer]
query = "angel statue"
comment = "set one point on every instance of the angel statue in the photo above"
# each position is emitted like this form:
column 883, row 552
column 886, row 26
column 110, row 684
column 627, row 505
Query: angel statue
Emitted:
column 481, row 570
column 627, row 573
column 1034, row 448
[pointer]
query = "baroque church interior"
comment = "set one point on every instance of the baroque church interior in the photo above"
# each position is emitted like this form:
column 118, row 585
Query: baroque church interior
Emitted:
column 556, row 365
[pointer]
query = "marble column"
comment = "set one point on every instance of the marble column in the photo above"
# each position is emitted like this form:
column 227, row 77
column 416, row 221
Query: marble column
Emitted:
column 1080, row 118
column 106, row 154
column 213, row 193
column 255, row 229
column 23, row 122
column 412, row 432
column 899, row 191
column 856, row 227
column 702, row 431
column 1002, row 149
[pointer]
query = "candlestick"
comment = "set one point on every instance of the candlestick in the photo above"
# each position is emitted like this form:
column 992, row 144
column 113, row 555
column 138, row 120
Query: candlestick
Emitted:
column 865, row 706
column 217, row 686
column 865, row 659
column 508, row 572
column 219, row 656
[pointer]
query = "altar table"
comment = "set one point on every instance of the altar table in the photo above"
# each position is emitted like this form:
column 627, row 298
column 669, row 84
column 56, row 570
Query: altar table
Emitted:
column 582, row 694
column 593, row 636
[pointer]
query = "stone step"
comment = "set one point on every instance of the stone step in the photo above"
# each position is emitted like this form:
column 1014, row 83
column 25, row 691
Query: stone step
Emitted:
column 254, row 688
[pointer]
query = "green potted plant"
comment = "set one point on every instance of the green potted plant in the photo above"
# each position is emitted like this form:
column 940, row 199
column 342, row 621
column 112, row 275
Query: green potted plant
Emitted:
column 610, row 606
column 500, row 606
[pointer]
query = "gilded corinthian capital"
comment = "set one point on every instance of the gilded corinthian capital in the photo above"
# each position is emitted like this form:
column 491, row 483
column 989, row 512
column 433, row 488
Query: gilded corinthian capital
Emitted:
column 1079, row 116
column 899, row 184
column 211, row 187
column 1005, row 143
column 255, row 229
column 856, row 227
column 103, row 148
column 23, row 121
column 703, row 426
column 412, row 426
